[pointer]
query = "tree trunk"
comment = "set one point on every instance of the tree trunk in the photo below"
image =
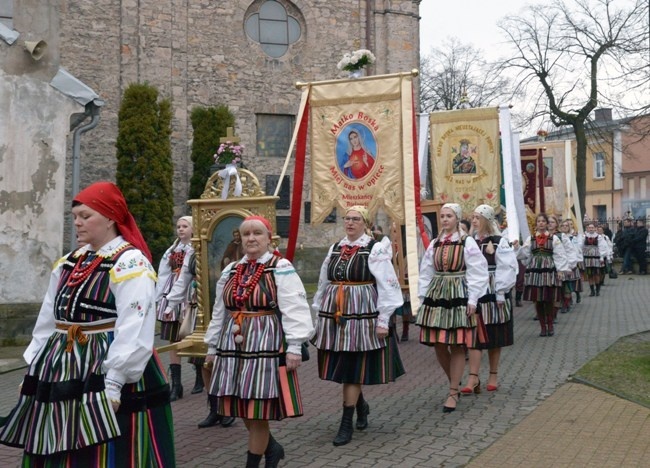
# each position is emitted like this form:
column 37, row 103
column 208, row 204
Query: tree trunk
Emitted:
column 581, row 163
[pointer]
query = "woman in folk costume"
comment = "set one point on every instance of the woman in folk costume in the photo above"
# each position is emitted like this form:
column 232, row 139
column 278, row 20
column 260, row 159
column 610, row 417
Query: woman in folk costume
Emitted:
column 609, row 256
column 259, row 321
column 594, row 251
column 358, row 292
column 95, row 393
column 174, row 282
column 546, row 261
column 571, row 258
column 495, row 307
column 453, row 276
column 572, row 279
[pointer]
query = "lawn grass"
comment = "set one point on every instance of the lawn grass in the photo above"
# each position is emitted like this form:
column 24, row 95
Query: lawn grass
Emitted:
column 623, row 369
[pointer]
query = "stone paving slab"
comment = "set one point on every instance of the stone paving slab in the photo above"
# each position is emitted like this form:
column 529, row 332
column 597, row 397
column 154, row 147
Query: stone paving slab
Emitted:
column 407, row 427
column 576, row 426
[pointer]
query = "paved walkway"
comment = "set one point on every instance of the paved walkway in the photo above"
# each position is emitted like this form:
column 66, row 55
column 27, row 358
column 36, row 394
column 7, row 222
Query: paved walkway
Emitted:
column 536, row 418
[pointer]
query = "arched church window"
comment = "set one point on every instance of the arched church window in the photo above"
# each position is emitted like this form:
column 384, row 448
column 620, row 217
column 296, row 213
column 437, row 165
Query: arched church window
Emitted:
column 273, row 28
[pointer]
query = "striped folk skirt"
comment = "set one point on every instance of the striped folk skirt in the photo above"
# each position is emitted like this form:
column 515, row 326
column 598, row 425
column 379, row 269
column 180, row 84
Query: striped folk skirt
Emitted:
column 443, row 313
column 378, row 366
column 540, row 282
column 64, row 392
column 250, row 379
column 496, row 317
column 498, row 335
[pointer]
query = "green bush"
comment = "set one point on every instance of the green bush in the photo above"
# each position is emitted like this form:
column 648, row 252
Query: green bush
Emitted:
column 208, row 124
column 144, row 164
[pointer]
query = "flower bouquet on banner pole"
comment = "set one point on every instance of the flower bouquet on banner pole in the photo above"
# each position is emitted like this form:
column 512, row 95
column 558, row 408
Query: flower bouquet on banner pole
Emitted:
column 230, row 155
column 355, row 62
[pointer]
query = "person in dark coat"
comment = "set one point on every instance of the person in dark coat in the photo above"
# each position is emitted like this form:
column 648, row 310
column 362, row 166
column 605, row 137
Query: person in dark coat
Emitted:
column 623, row 242
column 639, row 241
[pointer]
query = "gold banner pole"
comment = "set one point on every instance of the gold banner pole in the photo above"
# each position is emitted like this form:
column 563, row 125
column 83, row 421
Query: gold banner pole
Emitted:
column 301, row 84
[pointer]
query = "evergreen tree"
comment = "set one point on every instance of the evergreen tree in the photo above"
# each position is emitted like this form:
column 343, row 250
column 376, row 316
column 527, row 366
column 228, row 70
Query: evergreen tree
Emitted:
column 144, row 164
column 209, row 124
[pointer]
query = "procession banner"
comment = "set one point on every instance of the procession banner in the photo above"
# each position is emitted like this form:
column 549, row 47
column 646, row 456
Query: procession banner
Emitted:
column 509, row 180
column 357, row 144
column 532, row 174
column 465, row 157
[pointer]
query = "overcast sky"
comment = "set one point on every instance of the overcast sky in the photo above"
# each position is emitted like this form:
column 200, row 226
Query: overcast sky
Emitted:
column 471, row 21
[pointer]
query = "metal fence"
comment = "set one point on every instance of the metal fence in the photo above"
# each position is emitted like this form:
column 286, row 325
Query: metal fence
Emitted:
column 615, row 225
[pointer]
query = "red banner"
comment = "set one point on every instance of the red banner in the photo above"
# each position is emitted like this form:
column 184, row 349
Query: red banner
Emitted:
column 532, row 176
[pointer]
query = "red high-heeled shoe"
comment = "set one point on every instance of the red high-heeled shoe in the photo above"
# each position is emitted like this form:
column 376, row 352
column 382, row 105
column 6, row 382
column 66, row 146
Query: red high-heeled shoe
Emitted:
column 492, row 388
column 476, row 389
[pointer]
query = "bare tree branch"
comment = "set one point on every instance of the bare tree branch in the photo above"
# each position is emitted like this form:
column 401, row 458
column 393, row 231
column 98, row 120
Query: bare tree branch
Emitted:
column 574, row 55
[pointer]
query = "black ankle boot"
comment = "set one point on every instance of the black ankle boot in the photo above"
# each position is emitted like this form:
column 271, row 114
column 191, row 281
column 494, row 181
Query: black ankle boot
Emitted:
column 363, row 410
column 198, row 381
column 518, row 296
column 598, row 290
column 273, row 454
column 213, row 417
column 253, row 460
column 405, row 332
column 176, row 392
column 345, row 429
column 592, row 291
column 577, row 298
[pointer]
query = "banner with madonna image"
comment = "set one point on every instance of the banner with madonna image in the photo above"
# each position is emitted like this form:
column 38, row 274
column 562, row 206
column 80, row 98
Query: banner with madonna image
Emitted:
column 356, row 145
column 363, row 149
column 465, row 162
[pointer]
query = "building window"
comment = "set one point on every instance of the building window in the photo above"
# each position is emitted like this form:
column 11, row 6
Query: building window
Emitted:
column 285, row 190
column 7, row 13
column 274, row 134
column 599, row 165
column 601, row 212
column 273, row 28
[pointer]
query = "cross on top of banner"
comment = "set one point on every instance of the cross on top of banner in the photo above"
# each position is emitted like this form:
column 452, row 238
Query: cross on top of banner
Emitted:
column 230, row 136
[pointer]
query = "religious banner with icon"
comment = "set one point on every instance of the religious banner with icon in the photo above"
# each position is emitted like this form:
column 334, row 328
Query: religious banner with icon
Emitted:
column 532, row 175
column 363, row 152
column 465, row 157
column 356, row 149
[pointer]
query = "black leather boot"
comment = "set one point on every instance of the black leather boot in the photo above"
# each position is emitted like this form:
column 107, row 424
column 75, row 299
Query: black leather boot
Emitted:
column 273, row 454
column 518, row 296
column 363, row 409
column 592, row 291
column 253, row 460
column 345, row 429
column 213, row 417
column 405, row 332
column 176, row 392
column 598, row 290
column 198, row 381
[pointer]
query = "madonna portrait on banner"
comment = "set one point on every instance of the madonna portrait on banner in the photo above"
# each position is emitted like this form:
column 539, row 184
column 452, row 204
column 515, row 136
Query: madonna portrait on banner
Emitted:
column 463, row 163
column 355, row 150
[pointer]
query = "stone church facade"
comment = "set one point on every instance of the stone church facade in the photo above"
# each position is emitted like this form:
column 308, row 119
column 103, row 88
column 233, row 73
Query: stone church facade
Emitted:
column 234, row 52
column 246, row 54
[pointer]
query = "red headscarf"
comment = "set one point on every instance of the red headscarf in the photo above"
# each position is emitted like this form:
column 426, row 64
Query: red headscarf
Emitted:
column 262, row 220
column 107, row 199
column 268, row 227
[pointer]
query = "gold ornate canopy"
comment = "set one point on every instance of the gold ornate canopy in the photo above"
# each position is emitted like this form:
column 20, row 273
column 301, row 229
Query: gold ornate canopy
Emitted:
column 213, row 219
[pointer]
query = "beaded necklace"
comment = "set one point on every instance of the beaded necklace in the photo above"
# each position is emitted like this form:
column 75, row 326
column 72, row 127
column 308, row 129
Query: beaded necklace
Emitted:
column 83, row 269
column 347, row 251
column 247, row 286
